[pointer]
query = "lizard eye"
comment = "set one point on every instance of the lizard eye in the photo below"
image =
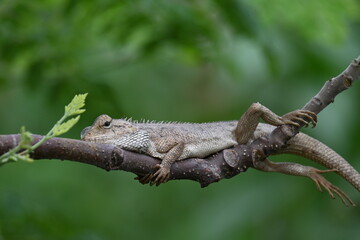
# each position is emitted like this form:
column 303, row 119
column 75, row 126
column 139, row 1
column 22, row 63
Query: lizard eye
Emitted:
column 107, row 124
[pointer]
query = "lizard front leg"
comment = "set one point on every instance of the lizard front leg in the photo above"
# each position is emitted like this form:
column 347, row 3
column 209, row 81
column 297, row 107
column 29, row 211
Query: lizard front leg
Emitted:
column 296, row 169
column 163, row 173
column 251, row 118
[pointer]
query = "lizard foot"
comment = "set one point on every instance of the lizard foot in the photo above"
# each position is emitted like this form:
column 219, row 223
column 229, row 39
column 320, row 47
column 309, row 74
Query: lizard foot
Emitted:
column 162, row 175
column 296, row 169
column 302, row 116
column 143, row 179
column 322, row 182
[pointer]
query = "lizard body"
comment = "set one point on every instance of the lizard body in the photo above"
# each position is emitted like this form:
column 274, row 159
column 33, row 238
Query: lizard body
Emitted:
column 172, row 141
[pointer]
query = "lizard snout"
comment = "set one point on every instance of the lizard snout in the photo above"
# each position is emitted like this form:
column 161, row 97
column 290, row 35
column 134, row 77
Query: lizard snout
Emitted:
column 84, row 134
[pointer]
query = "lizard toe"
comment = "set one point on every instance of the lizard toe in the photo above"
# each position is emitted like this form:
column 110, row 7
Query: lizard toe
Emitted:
column 161, row 176
column 300, row 116
column 320, row 182
column 139, row 178
column 146, row 179
column 309, row 116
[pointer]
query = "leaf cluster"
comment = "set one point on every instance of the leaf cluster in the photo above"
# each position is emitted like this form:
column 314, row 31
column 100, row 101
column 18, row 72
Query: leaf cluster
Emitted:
column 66, row 122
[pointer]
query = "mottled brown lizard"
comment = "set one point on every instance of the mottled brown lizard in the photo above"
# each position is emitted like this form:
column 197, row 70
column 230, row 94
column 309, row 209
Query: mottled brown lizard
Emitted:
column 172, row 141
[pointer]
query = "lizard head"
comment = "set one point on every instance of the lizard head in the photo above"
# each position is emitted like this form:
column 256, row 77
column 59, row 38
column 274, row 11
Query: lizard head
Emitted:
column 106, row 130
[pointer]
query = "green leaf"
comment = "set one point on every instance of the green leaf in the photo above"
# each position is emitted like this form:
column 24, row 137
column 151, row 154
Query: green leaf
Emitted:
column 64, row 127
column 26, row 138
column 74, row 107
column 25, row 158
column 12, row 158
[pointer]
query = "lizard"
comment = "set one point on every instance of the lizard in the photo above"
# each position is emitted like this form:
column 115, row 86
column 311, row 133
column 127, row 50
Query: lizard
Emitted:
column 175, row 141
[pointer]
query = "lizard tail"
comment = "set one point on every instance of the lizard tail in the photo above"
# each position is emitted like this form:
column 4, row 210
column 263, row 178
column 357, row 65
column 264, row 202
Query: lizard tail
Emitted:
column 308, row 147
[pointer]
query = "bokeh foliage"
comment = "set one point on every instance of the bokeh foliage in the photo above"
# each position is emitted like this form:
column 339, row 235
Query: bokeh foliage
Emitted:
column 173, row 60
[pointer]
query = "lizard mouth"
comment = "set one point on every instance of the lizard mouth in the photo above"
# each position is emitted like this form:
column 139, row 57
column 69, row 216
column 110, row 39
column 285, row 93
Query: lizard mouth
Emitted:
column 84, row 133
column 101, row 139
column 87, row 136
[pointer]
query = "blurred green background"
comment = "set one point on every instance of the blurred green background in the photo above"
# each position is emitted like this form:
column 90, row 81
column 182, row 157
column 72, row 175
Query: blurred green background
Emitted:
column 174, row 60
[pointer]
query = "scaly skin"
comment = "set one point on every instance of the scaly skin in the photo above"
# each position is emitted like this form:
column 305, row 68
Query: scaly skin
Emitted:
column 171, row 141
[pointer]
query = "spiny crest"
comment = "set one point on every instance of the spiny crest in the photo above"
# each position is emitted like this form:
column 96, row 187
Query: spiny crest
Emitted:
column 128, row 119
column 145, row 121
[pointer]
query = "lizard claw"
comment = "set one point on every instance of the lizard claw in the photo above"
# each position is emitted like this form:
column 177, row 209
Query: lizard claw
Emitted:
column 320, row 181
column 144, row 179
column 161, row 175
column 302, row 116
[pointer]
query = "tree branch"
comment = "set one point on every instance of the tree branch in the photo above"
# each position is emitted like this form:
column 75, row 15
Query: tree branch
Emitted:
column 278, row 138
column 205, row 171
column 110, row 157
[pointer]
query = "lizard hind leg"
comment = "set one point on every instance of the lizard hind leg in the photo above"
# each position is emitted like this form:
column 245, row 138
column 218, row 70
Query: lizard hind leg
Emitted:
column 251, row 118
column 314, row 174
